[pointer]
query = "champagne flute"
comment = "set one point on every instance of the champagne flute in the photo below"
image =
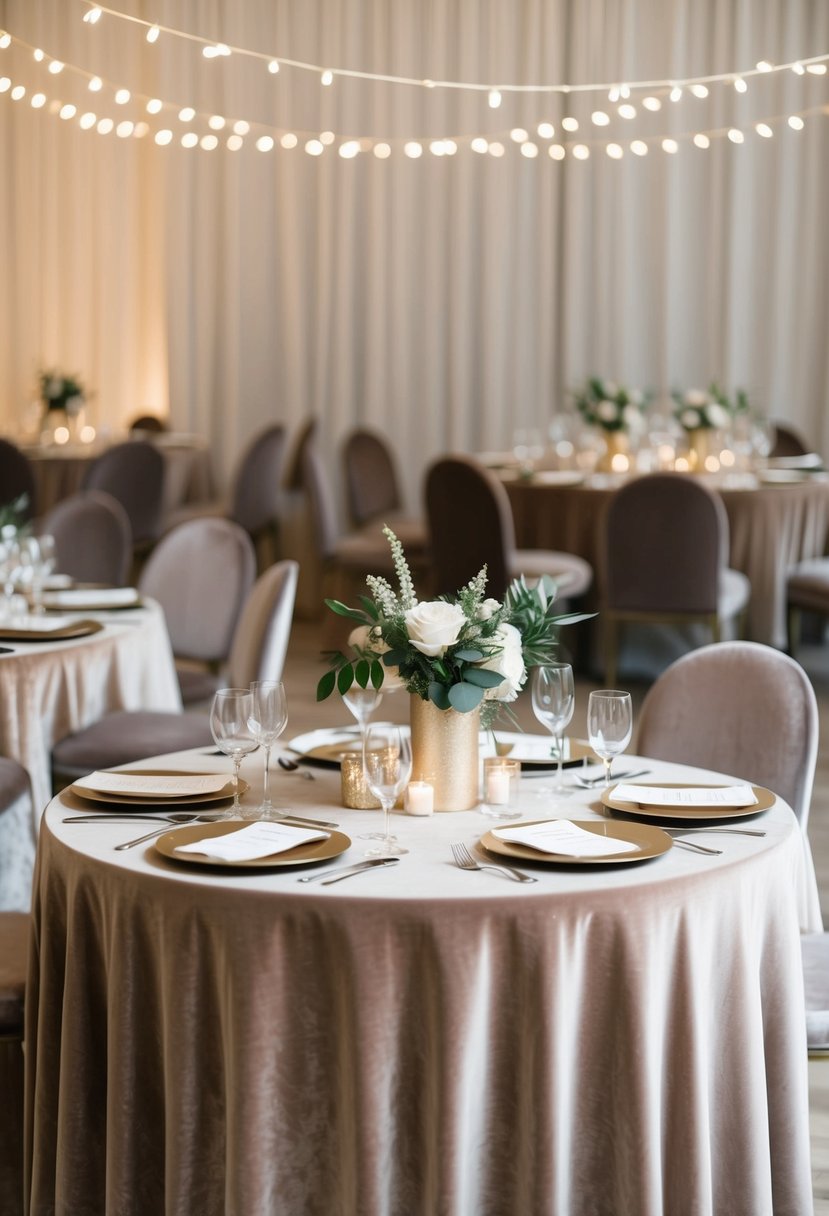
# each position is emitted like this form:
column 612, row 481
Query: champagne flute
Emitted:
column 361, row 703
column 387, row 766
column 45, row 560
column 554, row 699
column 268, row 719
column 229, row 718
column 609, row 725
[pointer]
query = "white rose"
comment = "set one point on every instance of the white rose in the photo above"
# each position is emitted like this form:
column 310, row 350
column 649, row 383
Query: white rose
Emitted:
column 488, row 609
column 691, row 419
column 718, row 416
column 608, row 411
column 433, row 626
column 696, row 397
column 631, row 417
column 509, row 663
column 367, row 638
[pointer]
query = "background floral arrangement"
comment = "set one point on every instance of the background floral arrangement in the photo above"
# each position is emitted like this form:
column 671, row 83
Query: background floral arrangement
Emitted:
column 698, row 409
column 459, row 653
column 608, row 405
column 57, row 389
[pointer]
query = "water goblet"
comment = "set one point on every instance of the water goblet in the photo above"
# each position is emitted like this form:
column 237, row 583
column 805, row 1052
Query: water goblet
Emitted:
column 554, row 699
column 387, row 765
column 268, row 719
column 609, row 725
column 229, row 724
column 361, row 703
column 44, row 560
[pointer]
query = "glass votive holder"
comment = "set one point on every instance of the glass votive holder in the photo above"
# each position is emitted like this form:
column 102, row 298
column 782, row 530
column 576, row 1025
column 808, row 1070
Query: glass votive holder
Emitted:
column 420, row 798
column 355, row 792
column 502, row 780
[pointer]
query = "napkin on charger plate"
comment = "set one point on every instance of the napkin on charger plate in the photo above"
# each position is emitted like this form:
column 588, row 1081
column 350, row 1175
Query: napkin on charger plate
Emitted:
column 255, row 841
column 691, row 796
column 79, row 597
column 153, row 785
column 567, row 839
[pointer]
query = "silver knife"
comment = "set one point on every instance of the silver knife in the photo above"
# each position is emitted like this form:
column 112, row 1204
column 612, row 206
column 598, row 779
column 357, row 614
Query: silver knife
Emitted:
column 327, row 876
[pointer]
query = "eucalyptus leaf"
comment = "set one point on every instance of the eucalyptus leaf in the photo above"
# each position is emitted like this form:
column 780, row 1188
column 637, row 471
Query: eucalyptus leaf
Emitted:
column 482, row 677
column 465, row 697
column 439, row 696
column 469, row 655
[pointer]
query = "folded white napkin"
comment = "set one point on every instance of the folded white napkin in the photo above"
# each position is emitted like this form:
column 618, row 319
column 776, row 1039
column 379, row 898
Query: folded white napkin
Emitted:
column 257, row 840
column 561, row 836
column 78, row 597
column 655, row 795
column 57, row 582
column 151, row 785
column 39, row 624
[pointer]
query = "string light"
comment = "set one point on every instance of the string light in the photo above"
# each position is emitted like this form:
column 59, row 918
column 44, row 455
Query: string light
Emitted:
column 740, row 85
column 652, row 103
column 670, row 146
column 152, row 34
column 627, row 111
column 546, row 130
column 56, row 67
column 163, row 137
column 122, row 97
column 735, row 135
column 273, row 67
column 289, row 140
column 234, row 143
column 570, row 124
column 494, row 93
column 581, row 151
column 796, row 122
column 599, row 118
column 518, row 135
column 529, row 149
column 95, row 84
column 496, row 149
column 639, row 148
column 5, row 40
column 701, row 140
column 763, row 128
column 615, row 151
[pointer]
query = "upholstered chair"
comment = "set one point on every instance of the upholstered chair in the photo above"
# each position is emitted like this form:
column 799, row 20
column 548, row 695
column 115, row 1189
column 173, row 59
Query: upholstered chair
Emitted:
column 132, row 472
column 93, row 538
column 373, row 491
column 16, row 478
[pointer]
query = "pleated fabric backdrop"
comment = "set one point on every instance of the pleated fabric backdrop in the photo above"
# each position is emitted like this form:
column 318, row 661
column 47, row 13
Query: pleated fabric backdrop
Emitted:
column 445, row 300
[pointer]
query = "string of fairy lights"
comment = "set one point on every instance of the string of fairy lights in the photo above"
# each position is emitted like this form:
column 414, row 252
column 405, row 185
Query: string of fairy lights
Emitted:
column 133, row 115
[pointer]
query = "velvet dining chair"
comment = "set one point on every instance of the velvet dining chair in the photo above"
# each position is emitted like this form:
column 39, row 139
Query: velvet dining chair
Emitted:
column 664, row 560
column 201, row 573
column 17, row 479
column 133, row 473
column 260, row 644
column 373, row 490
column 471, row 525
column 14, row 945
column 787, row 442
column 93, row 538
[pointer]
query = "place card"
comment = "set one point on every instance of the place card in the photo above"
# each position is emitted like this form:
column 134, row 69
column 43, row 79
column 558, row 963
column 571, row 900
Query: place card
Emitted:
column 151, row 785
column 250, row 843
column 561, row 836
column 691, row 796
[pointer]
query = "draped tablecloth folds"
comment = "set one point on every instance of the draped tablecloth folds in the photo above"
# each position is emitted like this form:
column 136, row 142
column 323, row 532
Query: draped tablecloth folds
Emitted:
column 419, row 1039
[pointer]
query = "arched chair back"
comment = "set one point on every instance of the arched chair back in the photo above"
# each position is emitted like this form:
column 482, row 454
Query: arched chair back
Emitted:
column 739, row 708
column 787, row 441
column 16, row 478
column 260, row 643
column 371, row 483
column 321, row 504
column 470, row 525
column 132, row 472
column 93, row 539
column 150, row 424
column 294, row 475
column 201, row 573
column 255, row 498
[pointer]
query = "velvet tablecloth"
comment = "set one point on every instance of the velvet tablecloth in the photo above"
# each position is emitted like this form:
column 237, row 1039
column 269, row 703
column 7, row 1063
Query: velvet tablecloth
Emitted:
column 771, row 527
column 50, row 689
column 418, row 1040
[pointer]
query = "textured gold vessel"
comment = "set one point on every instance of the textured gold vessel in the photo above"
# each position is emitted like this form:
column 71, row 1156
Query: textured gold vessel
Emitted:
column 445, row 753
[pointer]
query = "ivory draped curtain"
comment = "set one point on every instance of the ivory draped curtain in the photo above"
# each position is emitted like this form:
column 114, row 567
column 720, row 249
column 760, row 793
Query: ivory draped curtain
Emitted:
column 443, row 300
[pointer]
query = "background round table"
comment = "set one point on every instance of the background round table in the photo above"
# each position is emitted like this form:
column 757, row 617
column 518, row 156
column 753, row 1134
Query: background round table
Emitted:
column 419, row 1039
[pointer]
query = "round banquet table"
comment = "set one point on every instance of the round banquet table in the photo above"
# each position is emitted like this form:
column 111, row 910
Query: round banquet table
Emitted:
column 51, row 689
column 772, row 527
column 624, row 1041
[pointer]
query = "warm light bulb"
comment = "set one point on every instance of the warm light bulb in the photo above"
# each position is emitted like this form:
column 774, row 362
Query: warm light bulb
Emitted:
column 627, row 110
column 56, row 67
column 61, row 434
column 740, row 85
column 264, row 143
column 817, row 69
column 38, row 100
column 315, row 147
column 619, row 463
column 436, row 147
column 216, row 122
column 529, row 149
column 349, row 149
column 327, row 137
column 478, row 144
column 699, row 90
column 581, row 151
column 727, row 458
column 764, row 66
column 701, row 140
column 798, row 69
column 613, row 95
column 5, row 84
column 18, row 92
column 209, row 142
column 289, row 140
column 675, row 93
column 39, row 55
column 154, row 105
column 570, row 124
column 615, row 151
column 763, row 128
column 92, row 16
column 5, row 40
column 624, row 91
column 124, row 130
column 122, row 97
column 557, row 152
column 413, row 149
column 670, row 146
column 518, row 135
column 87, row 434
column 187, row 114
column 273, row 67
column 105, row 126
column 95, row 84
column 712, row 464
column 87, row 120
column 382, row 151
column 68, row 111
column 163, row 137
column 496, row 149
column 450, row 147
column 735, row 135
column 599, row 118
column 652, row 103
column 327, row 78
column 494, row 99
column 639, row 148
column 190, row 140
column 681, row 464
column 796, row 122
column 152, row 33
column 213, row 52
column 546, row 130
column 241, row 127
column 141, row 129
column 234, row 143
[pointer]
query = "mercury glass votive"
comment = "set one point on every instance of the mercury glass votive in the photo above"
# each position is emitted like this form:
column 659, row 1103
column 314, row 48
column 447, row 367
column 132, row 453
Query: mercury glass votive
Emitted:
column 355, row 792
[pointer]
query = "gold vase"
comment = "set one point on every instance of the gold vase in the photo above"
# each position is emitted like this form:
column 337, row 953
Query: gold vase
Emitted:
column 700, row 447
column 445, row 753
column 616, row 444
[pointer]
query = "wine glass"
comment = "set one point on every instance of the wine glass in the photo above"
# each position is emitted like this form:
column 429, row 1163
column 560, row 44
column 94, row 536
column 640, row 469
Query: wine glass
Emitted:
column 229, row 723
column 609, row 725
column 362, row 702
column 554, row 699
column 387, row 766
column 268, row 718
column 44, row 561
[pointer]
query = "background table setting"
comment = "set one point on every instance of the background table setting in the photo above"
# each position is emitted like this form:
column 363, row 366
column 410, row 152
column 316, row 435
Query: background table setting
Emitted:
column 416, row 1036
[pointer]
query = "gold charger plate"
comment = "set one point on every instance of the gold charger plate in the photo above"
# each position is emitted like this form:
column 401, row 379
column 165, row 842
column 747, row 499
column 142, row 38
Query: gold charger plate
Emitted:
column 78, row 629
column 765, row 799
column 578, row 750
column 652, row 842
column 136, row 801
column 302, row 855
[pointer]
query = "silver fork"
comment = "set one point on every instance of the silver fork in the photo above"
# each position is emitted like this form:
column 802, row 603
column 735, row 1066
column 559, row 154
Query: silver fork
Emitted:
column 716, row 831
column 465, row 861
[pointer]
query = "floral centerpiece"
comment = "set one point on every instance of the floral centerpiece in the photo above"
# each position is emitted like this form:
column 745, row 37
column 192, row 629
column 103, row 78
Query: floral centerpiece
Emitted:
column 610, row 406
column 701, row 410
column 59, row 391
column 460, row 658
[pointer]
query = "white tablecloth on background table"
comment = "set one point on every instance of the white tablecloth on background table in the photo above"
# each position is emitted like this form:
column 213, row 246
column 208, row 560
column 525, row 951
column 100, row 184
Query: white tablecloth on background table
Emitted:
column 50, row 689
column 418, row 1039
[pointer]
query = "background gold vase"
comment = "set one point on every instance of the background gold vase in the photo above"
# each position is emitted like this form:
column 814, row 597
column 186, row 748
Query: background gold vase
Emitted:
column 445, row 753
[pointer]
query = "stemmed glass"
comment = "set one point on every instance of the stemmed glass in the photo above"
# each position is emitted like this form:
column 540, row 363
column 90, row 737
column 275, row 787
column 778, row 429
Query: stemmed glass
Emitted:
column 387, row 766
column 554, row 699
column 362, row 702
column 229, row 723
column 44, row 560
column 609, row 725
column 268, row 719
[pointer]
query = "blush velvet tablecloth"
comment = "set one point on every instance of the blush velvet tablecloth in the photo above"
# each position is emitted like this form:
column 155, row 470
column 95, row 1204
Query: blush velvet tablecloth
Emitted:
column 50, row 689
column 772, row 527
column 418, row 1040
